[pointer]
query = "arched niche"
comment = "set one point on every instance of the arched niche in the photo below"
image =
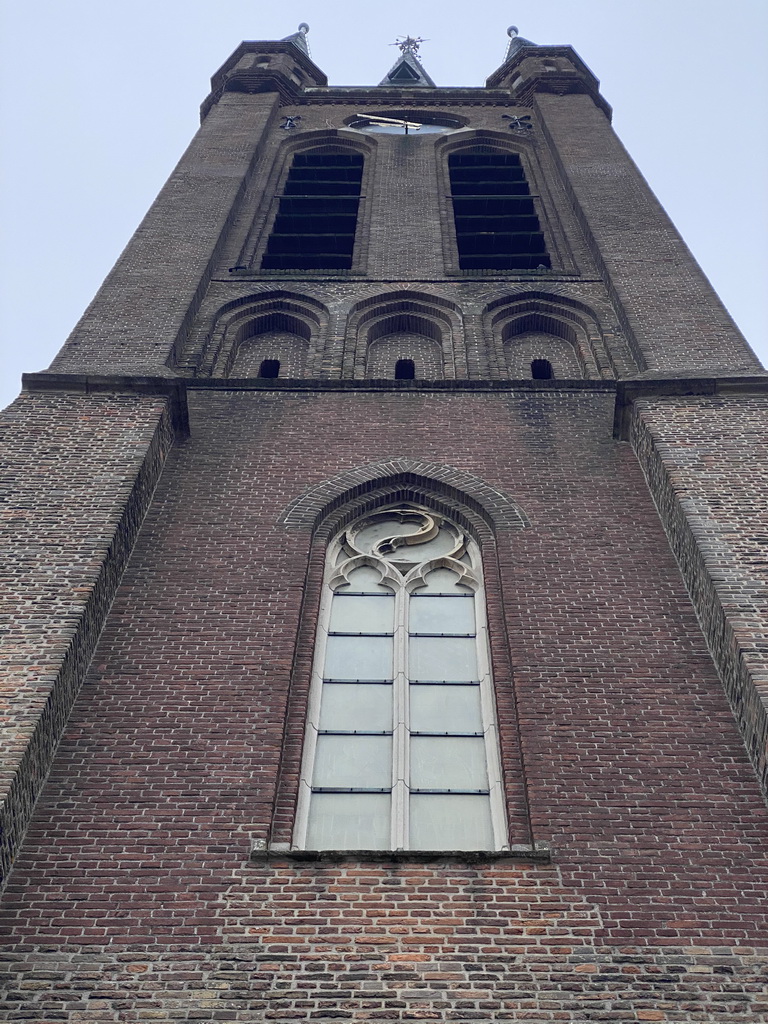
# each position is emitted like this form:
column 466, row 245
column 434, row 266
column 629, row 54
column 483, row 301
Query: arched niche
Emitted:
column 273, row 338
column 404, row 325
column 404, row 338
column 280, row 325
column 523, row 350
column 539, row 326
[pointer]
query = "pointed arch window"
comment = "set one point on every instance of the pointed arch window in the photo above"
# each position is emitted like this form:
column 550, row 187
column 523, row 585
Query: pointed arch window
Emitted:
column 541, row 369
column 317, row 214
column 401, row 748
column 497, row 227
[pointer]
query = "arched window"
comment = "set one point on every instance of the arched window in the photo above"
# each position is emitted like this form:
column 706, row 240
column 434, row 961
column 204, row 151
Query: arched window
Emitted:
column 405, row 369
column 269, row 368
column 497, row 227
column 317, row 215
column 541, row 369
column 401, row 749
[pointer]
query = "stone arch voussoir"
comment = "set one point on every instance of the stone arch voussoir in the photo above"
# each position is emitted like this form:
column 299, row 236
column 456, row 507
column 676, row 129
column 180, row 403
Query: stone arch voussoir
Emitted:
column 480, row 507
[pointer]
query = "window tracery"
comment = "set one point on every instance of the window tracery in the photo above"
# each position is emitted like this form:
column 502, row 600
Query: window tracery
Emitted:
column 401, row 748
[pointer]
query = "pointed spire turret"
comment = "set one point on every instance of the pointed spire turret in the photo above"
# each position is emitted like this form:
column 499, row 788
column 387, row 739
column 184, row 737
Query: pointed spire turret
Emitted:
column 299, row 38
column 516, row 41
column 531, row 68
column 282, row 66
column 407, row 70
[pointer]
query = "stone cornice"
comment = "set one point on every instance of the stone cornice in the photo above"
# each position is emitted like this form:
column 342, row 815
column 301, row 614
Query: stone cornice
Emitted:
column 175, row 389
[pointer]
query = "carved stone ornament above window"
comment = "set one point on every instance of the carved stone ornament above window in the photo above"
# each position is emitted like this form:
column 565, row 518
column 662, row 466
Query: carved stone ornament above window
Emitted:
column 405, row 537
column 520, row 123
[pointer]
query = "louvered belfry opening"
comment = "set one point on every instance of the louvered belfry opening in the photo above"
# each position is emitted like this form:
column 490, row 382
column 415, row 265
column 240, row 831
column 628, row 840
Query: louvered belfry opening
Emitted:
column 317, row 216
column 496, row 223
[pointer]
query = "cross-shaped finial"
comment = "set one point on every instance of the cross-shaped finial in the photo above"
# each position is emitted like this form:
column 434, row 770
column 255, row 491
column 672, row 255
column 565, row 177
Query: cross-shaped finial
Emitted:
column 409, row 44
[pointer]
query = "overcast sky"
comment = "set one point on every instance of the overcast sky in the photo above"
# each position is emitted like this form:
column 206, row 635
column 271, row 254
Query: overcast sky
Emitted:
column 100, row 99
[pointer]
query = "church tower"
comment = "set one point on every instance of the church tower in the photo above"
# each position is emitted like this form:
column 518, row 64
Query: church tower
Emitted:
column 386, row 557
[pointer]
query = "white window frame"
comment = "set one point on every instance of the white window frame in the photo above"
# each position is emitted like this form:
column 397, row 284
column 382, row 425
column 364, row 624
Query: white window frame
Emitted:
column 404, row 585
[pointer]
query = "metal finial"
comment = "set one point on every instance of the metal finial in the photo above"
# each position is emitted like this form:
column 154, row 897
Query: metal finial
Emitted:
column 304, row 28
column 513, row 31
column 409, row 44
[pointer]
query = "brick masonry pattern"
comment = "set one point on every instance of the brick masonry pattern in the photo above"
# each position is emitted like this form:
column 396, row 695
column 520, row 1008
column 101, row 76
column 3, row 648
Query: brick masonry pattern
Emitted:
column 705, row 464
column 133, row 896
column 80, row 474
column 156, row 307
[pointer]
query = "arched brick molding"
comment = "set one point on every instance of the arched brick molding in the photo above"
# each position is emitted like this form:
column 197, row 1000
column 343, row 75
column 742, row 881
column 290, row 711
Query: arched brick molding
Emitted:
column 295, row 326
column 576, row 337
column 435, row 320
column 480, row 507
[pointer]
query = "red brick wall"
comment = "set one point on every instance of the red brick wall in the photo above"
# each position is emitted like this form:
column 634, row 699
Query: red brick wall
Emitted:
column 79, row 471
column 134, row 897
column 705, row 463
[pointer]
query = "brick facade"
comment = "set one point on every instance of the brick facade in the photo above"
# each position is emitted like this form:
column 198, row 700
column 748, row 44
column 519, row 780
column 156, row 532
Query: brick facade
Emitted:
column 168, row 527
column 80, row 472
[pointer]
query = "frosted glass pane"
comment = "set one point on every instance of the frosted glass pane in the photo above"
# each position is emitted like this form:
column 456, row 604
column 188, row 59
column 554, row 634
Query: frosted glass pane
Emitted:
column 448, row 762
column 450, row 822
column 357, row 762
column 358, row 657
column 443, row 581
column 357, row 707
column 369, row 614
column 442, row 615
column 349, row 821
column 366, row 578
column 453, row 659
column 445, row 709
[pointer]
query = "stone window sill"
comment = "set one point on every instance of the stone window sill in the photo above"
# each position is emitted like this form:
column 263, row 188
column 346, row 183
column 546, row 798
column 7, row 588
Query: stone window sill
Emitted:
column 262, row 853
